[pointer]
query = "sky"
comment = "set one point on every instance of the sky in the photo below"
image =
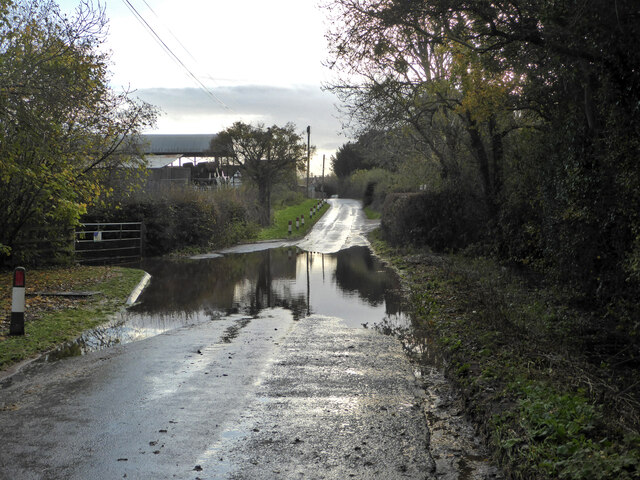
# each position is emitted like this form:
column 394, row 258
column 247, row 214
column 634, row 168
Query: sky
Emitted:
column 255, row 61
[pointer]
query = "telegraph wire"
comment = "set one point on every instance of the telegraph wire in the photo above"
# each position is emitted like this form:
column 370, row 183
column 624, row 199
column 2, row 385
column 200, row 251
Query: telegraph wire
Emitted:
column 168, row 50
column 208, row 75
column 170, row 32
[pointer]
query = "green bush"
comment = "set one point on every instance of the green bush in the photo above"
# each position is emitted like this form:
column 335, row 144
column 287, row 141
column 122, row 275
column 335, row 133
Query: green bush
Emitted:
column 183, row 218
column 371, row 186
column 447, row 220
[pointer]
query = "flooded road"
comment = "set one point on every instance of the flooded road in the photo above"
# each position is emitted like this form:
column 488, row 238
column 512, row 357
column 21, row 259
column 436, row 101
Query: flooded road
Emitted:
column 351, row 284
column 256, row 362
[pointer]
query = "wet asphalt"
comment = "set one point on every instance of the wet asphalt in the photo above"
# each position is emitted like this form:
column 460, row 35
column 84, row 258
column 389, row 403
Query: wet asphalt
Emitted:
column 268, row 393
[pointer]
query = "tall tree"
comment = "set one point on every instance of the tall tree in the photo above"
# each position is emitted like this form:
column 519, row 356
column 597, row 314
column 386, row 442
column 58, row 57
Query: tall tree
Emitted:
column 61, row 125
column 265, row 155
column 405, row 73
column 545, row 94
column 347, row 160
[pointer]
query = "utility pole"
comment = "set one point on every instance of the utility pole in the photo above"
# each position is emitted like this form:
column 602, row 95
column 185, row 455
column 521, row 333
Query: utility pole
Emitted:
column 323, row 195
column 308, row 156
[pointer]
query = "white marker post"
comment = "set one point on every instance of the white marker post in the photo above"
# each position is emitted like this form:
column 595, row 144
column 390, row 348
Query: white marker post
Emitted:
column 302, row 221
column 17, row 302
column 289, row 227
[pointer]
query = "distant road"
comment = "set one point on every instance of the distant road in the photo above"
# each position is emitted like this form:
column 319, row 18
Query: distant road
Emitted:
column 344, row 225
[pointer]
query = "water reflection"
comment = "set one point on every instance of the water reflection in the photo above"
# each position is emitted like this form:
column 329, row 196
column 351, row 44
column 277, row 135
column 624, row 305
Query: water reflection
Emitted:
column 351, row 284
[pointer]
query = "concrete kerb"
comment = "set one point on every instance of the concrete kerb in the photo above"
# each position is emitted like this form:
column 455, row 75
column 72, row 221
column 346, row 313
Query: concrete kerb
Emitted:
column 138, row 290
column 13, row 369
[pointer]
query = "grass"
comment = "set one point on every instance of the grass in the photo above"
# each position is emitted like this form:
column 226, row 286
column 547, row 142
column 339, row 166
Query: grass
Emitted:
column 281, row 218
column 372, row 214
column 50, row 321
column 525, row 362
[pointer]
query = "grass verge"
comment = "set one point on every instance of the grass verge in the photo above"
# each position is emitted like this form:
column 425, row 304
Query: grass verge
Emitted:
column 372, row 214
column 281, row 218
column 555, row 396
column 50, row 320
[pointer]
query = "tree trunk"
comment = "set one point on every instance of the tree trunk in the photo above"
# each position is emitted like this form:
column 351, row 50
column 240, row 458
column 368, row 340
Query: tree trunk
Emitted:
column 479, row 151
column 497, row 150
column 264, row 199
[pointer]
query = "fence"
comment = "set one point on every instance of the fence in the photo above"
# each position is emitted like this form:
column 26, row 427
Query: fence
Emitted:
column 109, row 242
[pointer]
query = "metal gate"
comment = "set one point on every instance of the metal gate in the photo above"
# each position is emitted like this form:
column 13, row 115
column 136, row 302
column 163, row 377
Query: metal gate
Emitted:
column 109, row 242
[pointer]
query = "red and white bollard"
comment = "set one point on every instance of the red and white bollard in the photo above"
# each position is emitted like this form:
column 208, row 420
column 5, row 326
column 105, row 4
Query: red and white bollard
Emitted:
column 302, row 221
column 289, row 227
column 297, row 223
column 17, row 302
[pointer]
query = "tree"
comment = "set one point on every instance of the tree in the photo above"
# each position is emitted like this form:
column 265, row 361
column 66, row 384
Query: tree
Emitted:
column 407, row 75
column 539, row 97
column 347, row 160
column 62, row 128
column 265, row 156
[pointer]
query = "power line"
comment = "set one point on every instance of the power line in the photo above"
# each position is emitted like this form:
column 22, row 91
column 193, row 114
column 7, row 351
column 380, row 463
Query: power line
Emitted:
column 170, row 32
column 168, row 50
column 188, row 52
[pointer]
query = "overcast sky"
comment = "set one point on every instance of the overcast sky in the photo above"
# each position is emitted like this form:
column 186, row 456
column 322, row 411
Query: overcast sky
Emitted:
column 259, row 61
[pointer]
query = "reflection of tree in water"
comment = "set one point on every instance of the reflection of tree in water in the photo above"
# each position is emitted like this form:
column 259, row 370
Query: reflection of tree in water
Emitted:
column 189, row 286
column 269, row 291
column 249, row 283
column 358, row 271
column 231, row 283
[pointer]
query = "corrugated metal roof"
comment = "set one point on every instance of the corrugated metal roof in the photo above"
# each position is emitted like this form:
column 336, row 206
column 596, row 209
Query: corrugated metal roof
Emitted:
column 186, row 145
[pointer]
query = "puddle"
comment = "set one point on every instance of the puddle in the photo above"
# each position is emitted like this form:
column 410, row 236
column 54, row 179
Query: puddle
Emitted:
column 351, row 284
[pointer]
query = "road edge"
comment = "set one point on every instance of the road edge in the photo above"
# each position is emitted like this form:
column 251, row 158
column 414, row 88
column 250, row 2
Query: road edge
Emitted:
column 131, row 299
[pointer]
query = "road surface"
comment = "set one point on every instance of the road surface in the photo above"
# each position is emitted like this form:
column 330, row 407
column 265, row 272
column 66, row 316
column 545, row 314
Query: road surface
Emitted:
column 240, row 397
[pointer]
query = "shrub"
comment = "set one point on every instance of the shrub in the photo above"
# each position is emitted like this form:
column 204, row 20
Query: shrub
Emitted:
column 183, row 218
column 446, row 220
column 371, row 186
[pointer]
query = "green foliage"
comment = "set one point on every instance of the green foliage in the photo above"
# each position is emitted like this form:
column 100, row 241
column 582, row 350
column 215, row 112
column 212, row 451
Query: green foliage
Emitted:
column 347, row 160
column 53, row 327
column 373, row 184
column 266, row 156
column 529, row 107
column 447, row 220
column 372, row 214
column 184, row 218
column 530, row 368
column 554, row 433
column 59, row 121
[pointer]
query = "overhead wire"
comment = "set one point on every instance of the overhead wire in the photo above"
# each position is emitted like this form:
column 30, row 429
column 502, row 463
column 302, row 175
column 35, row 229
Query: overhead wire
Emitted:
column 170, row 32
column 208, row 75
column 170, row 52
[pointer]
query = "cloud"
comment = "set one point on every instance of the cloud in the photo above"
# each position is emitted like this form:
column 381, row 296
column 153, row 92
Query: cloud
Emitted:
column 191, row 110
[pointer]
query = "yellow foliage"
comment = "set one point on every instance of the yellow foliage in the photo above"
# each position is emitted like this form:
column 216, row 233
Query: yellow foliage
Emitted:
column 483, row 93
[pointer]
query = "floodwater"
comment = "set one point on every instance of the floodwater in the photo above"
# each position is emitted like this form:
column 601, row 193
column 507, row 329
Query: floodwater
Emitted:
column 352, row 285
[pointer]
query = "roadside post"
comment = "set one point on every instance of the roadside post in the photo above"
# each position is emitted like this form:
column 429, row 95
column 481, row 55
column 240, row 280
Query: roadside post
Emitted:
column 302, row 221
column 289, row 227
column 297, row 223
column 17, row 302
